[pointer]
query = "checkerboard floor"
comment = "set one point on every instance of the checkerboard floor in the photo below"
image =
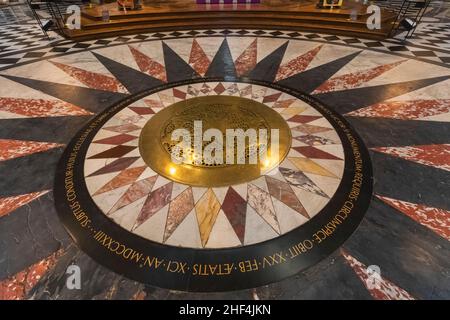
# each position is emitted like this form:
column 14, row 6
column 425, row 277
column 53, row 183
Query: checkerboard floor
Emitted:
column 25, row 42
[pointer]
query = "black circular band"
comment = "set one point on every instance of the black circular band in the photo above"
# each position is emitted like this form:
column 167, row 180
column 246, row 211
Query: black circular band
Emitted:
column 212, row 269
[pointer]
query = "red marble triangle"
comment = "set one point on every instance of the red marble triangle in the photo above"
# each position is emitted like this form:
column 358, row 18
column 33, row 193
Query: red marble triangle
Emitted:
column 117, row 165
column 247, row 60
column 116, row 140
column 115, row 152
column 155, row 201
column 378, row 287
column 18, row 286
column 10, row 204
column 435, row 155
column 404, row 110
column 219, row 88
column 283, row 103
column 10, row 149
column 142, row 110
column 354, row 79
column 272, row 98
column 92, row 79
column 148, row 65
column 136, row 191
column 179, row 208
column 235, row 209
column 297, row 65
column 179, row 94
column 198, row 59
column 435, row 219
column 311, row 152
column 283, row 192
column 303, row 119
column 34, row 108
column 125, row 177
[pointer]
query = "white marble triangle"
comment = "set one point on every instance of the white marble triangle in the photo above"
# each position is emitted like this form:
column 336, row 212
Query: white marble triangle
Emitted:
column 126, row 216
column 222, row 234
column 256, row 228
column 153, row 228
column 312, row 202
column 187, row 233
column 288, row 218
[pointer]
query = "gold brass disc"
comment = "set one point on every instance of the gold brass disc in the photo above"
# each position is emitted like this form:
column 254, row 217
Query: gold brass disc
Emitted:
column 221, row 113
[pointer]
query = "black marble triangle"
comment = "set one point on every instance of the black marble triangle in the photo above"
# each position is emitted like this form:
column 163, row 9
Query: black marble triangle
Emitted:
column 29, row 173
column 411, row 181
column 399, row 133
column 89, row 99
column 267, row 68
column 349, row 100
column 222, row 64
column 403, row 244
column 134, row 80
column 34, row 225
column 49, row 129
column 176, row 68
column 310, row 79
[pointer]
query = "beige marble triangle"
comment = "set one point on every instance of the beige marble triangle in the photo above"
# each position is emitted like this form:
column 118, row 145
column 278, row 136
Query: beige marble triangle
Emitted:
column 308, row 165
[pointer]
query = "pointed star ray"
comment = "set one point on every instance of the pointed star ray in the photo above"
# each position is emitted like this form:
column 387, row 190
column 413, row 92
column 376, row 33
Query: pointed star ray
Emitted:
column 345, row 101
column 89, row 99
column 309, row 80
column 132, row 79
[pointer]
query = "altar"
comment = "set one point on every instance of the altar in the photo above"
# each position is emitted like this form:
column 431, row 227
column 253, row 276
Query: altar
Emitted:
column 137, row 16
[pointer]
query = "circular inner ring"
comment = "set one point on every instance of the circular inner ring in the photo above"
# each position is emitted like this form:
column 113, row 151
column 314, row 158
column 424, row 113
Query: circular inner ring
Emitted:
column 253, row 130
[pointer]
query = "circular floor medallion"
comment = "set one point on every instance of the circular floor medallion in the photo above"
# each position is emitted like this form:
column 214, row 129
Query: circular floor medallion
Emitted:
column 227, row 226
column 219, row 113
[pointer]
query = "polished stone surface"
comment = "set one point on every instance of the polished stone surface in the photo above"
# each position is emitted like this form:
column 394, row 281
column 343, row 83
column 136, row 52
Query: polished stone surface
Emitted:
column 397, row 103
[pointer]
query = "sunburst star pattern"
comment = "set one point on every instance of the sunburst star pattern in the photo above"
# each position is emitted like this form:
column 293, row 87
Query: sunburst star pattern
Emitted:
column 400, row 108
column 294, row 185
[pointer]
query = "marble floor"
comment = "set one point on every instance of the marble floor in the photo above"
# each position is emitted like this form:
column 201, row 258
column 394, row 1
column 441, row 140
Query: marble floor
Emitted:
column 398, row 104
